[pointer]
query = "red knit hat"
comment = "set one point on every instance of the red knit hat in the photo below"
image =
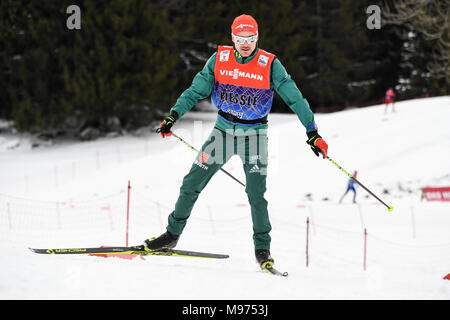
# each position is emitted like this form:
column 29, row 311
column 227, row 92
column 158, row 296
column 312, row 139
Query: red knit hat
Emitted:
column 244, row 23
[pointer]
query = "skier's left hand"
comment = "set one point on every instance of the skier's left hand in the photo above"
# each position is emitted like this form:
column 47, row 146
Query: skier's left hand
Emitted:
column 318, row 145
column 166, row 125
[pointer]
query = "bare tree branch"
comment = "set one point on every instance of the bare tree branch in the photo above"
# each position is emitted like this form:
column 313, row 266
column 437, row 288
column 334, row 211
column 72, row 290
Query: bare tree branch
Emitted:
column 431, row 18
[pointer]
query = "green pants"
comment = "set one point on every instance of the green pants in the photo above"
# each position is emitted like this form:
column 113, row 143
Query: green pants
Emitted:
column 216, row 151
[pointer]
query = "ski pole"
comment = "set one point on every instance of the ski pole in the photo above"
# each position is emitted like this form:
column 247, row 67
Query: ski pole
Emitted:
column 223, row 170
column 390, row 208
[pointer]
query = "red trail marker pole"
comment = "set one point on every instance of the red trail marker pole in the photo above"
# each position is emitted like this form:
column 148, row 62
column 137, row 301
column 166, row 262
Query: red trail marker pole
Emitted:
column 128, row 212
column 365, row 248
column 307, row 241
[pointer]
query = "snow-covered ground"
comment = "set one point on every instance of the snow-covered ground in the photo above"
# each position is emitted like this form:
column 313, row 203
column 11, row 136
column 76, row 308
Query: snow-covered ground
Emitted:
column 74, row 194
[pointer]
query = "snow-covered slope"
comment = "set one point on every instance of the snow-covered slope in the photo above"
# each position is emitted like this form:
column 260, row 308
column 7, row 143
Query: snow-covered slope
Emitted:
column 75, row 195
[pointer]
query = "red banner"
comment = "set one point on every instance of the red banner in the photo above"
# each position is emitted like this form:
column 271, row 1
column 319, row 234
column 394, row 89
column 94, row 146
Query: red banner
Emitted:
column 436, row 194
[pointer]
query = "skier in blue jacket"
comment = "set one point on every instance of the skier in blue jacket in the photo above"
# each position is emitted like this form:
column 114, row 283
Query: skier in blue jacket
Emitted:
column 350, row 186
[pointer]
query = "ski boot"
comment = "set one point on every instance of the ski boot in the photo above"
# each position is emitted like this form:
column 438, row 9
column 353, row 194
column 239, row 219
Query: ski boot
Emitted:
column 165, row 241
column 263, row 258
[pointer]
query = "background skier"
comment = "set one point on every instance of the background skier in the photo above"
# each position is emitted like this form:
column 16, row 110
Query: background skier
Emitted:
column 389, row 98
column 350, row 187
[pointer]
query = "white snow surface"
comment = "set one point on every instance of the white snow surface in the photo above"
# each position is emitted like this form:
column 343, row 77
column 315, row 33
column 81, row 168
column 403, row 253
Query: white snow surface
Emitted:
column 74, row 194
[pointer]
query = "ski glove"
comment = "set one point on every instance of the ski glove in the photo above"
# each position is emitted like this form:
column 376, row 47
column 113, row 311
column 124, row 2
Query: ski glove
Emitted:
column 166, row 125
column 318, row 145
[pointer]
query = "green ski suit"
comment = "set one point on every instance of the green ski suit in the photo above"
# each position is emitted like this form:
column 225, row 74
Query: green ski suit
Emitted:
column 228, row 139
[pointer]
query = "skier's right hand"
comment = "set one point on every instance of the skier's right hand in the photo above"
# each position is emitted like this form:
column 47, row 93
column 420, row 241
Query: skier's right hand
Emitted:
column 166, row 125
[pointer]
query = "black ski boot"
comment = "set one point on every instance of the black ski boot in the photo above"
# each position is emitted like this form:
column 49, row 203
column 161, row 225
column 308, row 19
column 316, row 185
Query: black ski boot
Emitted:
column 164, row 241
column 263, row 258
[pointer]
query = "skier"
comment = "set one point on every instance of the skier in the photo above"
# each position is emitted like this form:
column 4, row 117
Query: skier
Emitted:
column 389, row 97
column 350, row 187
column 241, row 80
